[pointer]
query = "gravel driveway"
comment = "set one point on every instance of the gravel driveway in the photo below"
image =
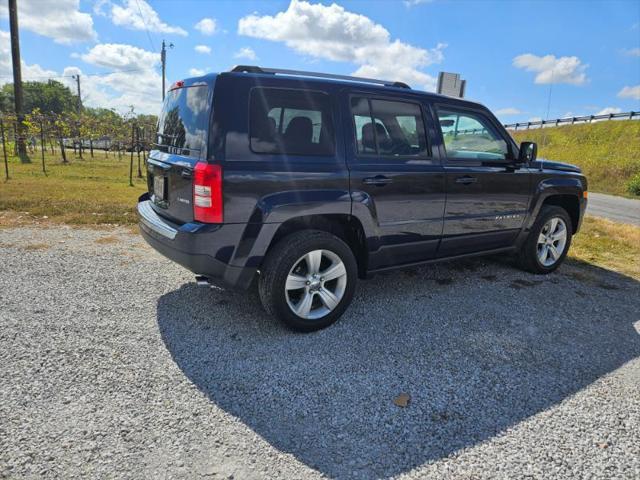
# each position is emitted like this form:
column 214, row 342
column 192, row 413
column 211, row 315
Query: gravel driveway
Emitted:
column 114, row 364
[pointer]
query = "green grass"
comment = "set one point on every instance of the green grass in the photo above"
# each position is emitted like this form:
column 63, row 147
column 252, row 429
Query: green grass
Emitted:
column 607, row 152
column 91, row 191
column 610, row 245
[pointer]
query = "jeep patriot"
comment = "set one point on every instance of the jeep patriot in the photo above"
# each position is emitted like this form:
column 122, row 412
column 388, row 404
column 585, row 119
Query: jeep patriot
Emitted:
column 305, row 182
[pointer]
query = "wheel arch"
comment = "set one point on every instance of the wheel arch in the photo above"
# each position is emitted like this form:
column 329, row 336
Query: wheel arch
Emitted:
column 570, row 203
column 346, row 227
column 564, row 192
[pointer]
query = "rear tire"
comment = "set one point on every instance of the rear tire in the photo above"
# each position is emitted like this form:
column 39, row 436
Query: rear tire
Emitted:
column 308, row 280
column 548, row 242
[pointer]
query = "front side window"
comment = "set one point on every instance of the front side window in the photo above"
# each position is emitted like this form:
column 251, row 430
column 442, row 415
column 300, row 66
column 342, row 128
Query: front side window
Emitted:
column 470, row 136
column 388, row 128
column 291, row 122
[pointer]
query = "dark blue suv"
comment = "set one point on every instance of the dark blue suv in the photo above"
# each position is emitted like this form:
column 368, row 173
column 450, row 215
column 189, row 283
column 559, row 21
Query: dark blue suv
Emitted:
column 306, row 182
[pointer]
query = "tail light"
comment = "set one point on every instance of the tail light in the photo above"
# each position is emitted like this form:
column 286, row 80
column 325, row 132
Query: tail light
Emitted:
column 207, row 193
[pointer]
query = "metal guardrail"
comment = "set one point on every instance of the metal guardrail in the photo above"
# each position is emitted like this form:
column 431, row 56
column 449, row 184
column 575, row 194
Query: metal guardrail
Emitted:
column 572, row 120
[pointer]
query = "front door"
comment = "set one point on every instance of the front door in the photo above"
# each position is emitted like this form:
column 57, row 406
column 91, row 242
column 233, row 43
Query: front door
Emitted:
column 487, row 194
column 394, row 179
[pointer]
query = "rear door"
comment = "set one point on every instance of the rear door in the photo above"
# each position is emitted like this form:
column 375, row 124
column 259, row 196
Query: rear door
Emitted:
column 487, row 194
column 394, row 177
column 181, row 142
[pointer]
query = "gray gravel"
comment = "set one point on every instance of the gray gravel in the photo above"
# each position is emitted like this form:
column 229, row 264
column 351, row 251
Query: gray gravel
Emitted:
column 114, row 364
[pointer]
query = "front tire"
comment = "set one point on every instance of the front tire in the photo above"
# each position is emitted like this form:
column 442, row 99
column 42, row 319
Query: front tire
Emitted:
column 548, row 242
column 308, row 280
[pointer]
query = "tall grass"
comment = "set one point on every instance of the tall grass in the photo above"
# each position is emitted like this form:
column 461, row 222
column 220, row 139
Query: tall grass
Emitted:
column 608, row 152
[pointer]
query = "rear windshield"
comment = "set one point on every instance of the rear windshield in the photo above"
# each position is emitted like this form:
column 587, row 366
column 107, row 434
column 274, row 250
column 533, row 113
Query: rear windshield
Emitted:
column 184, row 121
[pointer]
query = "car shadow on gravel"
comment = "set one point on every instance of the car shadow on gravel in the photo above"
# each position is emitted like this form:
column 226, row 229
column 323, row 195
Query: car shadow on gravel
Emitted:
column 478, row 346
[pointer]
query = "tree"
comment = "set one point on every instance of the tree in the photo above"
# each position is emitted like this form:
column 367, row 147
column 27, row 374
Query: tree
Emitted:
column 51, row 96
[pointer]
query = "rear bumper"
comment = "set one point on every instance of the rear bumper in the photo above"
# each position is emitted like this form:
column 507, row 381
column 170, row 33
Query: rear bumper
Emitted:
column 201, row 248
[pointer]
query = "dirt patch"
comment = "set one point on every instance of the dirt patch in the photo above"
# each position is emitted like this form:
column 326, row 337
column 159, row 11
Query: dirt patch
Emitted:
column 107, row 240
column 33, row 247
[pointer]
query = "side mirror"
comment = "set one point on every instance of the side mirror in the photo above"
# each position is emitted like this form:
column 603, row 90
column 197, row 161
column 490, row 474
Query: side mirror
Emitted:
column 528, row 152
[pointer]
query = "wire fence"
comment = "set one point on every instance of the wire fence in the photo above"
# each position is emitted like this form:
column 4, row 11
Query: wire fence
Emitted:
column 572, row 120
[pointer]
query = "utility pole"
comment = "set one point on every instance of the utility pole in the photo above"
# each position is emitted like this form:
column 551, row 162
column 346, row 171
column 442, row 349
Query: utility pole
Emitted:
column 163, row 59
column 77, row 79
column 17, row 81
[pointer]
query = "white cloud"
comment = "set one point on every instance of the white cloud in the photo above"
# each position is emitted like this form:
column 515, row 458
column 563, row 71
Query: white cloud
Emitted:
column 134, row 82
column 633, row 52
column 508, row 111
column 139, row 15
column 196, row 72
column 207, row 26
column 550, row 69
column 608, row 110
column 118, row 56
column 202, row 49
column 535, row 119
column 60, row 20
column 29, row 72
column 413, row 3
column 630, row 92
column 120, row 90
column 333, row 33
column 99, row 6
column 246, row 52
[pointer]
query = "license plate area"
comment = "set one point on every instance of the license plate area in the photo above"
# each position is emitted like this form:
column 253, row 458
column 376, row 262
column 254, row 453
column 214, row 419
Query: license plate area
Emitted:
column 159, row 187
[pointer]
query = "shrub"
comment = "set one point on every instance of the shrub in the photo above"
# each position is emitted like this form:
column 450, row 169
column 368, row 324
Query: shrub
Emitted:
column 633, row 185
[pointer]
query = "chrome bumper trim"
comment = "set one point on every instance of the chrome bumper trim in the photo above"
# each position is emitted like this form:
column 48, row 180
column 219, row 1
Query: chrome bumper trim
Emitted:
column 151, row 219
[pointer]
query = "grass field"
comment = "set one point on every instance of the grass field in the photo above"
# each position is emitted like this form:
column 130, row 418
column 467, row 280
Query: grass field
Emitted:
column 608, row 152
column 607, row 244
column 81, row 192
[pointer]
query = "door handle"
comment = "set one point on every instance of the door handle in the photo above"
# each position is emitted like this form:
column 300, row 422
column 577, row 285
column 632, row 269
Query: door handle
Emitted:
column 466, row 180
column 378, row 180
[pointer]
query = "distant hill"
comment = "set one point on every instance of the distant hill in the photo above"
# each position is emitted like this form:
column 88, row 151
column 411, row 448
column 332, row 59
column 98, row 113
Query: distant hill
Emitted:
column 608, row 152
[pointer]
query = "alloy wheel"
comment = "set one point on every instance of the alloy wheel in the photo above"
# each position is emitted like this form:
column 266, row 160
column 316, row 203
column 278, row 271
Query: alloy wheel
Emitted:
column 315, row 284
column 552, row 241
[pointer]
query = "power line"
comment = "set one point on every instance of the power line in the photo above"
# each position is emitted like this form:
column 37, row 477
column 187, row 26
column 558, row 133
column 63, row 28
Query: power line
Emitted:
column 103, row 74
column 153, row 48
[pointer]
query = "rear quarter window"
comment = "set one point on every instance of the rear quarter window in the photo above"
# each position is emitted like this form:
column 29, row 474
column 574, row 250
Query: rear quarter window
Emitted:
column 290, row 122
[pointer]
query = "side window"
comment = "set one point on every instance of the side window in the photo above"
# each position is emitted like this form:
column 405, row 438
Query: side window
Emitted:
column 388, row 128
column 291, row 122
column 470, row 136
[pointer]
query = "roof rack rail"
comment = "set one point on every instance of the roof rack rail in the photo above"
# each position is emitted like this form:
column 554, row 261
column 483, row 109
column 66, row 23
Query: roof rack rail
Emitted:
column 301, row 73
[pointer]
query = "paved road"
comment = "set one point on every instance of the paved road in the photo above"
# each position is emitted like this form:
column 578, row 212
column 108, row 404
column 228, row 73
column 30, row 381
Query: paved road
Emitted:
column 614, row 208
column 115, row 365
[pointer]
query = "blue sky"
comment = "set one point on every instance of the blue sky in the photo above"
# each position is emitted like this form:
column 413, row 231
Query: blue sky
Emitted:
column 512, row 54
